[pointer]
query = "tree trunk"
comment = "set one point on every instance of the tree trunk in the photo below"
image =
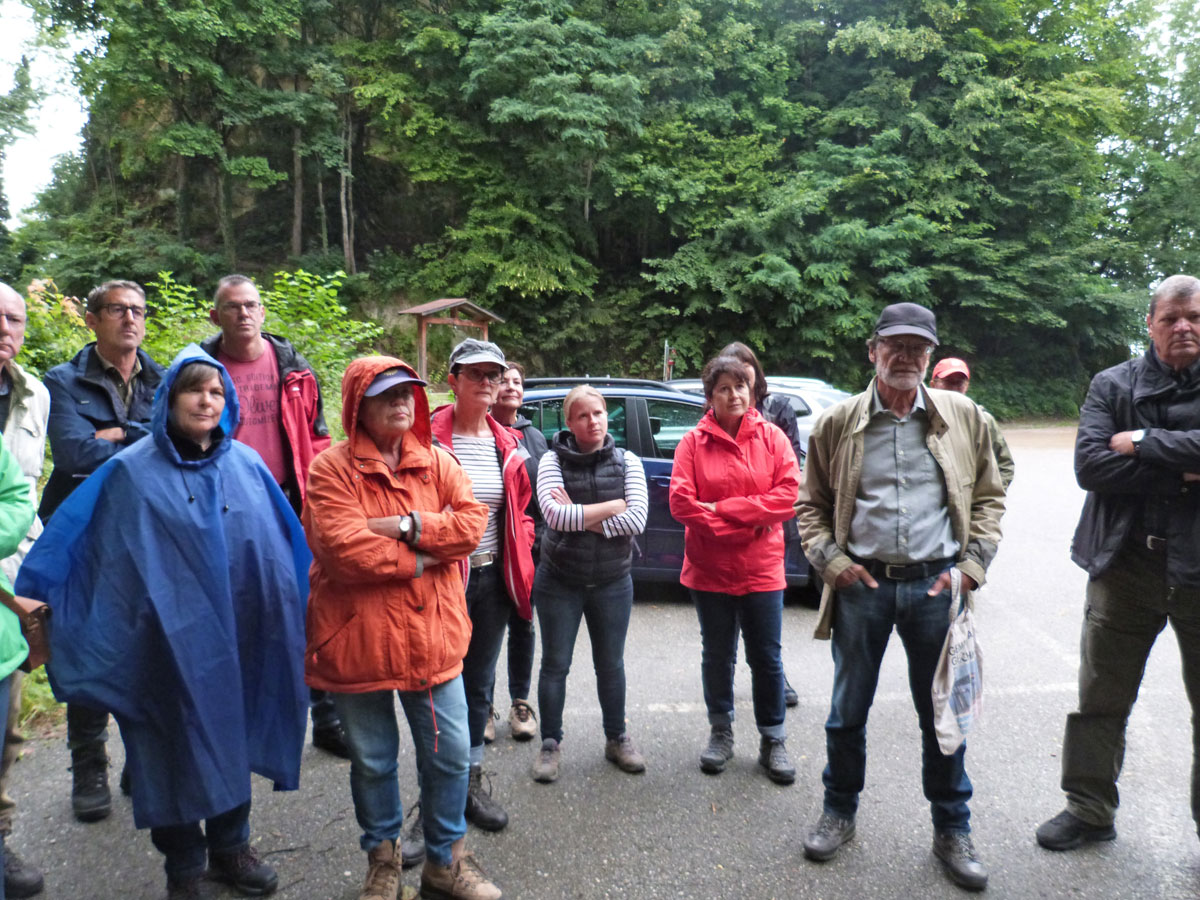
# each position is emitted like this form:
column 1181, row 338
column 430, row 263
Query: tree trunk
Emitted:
column 182, row 226
column 322, row 214
column 297, row 195
column 225, row 217
column 345, row 172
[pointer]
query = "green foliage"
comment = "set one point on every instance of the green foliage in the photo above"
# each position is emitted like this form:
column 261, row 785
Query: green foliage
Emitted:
column 54, row 327
column 39, row 710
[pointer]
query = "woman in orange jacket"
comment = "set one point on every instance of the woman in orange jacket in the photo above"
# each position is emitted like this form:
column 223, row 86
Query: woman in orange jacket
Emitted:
column 390, row 518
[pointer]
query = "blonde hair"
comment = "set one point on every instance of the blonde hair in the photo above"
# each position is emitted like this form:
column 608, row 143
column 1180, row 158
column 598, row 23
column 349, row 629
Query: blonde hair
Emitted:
column 578, row 393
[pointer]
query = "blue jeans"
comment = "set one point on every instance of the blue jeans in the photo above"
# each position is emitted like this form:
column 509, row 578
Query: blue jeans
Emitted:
column 520, row 655
column 560, row 608
column 437, row 719
column 761, row 619
column 186, row 847
column 489, row 608
column 863, row 622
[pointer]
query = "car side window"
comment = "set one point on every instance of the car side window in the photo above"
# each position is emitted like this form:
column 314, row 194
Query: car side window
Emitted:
column 799, row 407
column 669, row 422
column 551, row 419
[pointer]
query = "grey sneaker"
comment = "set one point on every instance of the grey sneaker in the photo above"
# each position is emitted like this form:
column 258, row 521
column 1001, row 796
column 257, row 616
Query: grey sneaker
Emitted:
column 1066, row 831
column 545, row 767
column 773, row 757
column 719, row 750
column 827, row 837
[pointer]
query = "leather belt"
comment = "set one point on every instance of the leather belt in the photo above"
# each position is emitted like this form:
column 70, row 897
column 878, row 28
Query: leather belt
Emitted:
column 483, row 558
column 1150, row 542
column 904, row 571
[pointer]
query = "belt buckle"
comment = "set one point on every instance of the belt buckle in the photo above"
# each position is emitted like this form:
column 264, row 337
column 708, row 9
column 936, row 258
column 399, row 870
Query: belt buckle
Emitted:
column 1155, row 543
column 485, row 558
column 887, row 571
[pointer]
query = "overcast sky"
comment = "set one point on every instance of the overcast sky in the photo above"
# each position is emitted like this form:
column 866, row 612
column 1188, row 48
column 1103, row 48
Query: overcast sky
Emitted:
column 58, row 121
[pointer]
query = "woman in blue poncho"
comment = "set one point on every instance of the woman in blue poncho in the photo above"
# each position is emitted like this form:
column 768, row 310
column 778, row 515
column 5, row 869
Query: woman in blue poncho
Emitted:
column 177, row 574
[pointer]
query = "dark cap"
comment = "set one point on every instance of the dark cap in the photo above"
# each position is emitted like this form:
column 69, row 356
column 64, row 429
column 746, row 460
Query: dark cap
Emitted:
column 907, row 318
column 474, row 351
column 390, row 378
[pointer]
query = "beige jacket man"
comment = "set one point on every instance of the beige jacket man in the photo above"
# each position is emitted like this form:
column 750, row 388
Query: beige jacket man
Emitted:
column 960, row 443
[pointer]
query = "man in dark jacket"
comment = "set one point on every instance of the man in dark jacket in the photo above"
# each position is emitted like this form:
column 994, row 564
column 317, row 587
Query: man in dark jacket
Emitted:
column 283, row 418
column 99, row 404
column 1136, row 454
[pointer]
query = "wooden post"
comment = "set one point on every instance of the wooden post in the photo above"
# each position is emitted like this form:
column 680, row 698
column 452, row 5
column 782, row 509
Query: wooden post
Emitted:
column 422, row 361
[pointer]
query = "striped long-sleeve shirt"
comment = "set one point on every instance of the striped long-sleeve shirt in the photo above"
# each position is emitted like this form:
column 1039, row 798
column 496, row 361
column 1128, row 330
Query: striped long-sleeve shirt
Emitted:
column 569, row 516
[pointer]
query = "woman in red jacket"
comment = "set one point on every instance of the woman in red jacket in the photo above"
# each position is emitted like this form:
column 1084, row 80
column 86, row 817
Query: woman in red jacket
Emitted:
column 390, row 518
column 734, row 483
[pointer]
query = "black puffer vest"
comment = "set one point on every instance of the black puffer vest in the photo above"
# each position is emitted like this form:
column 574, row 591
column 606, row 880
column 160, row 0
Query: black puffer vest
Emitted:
column 585, row 557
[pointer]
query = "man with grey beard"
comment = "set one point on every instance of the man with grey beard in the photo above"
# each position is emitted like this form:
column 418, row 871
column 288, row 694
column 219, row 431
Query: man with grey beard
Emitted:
column 900, row 487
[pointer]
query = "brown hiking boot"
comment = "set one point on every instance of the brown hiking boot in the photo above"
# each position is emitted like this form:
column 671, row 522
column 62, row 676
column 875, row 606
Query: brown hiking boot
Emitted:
column 383, row 873
column 463, row 879
column 624, row 755
column 489, row 730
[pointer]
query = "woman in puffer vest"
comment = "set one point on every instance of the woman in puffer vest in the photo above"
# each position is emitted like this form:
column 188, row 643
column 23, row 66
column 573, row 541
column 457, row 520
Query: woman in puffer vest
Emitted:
column 593, row 497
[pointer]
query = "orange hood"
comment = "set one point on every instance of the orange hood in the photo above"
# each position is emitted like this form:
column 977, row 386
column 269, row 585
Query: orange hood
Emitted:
column 359, row 375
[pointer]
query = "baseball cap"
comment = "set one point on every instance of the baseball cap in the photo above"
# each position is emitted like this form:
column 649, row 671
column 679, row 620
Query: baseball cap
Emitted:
column 951, row 365
column 907, row 318
column 390, row 378
column 476, row 351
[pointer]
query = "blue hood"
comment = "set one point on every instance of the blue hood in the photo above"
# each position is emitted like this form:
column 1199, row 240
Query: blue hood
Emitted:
column 161, row 412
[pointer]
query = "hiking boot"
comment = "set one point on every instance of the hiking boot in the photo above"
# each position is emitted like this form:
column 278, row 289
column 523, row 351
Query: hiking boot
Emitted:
column 545, row 767
column 90, row 798
column 719, row 750
column 1066, row 831
column 957, row 853
column 21, row 879
column 482, row 811
column 383, row 873
column 790, row 697
column 522, row 721
column 489, row 730
column 772, row 756
column 243, row 869
column 331, row 739
column 827, row 837
column 463, row 879
column 412, row 838
column 620, row 750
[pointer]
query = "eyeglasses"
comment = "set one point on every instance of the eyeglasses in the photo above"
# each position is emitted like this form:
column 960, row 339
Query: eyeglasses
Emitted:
column 911, row 349
column 249, row 306
column 119, row 310
column 479, row 376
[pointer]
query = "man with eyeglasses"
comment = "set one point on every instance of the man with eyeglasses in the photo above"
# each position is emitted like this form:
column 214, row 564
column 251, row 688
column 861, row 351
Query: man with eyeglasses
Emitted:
column 100, row 404
column 283, row 418
column 900, row 486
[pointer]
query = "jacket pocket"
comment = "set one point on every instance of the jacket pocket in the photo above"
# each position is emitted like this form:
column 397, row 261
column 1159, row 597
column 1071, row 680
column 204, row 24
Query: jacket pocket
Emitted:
column 345, row 655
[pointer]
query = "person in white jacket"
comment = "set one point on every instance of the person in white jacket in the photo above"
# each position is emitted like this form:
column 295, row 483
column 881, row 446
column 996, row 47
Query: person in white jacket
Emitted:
column 24, row 412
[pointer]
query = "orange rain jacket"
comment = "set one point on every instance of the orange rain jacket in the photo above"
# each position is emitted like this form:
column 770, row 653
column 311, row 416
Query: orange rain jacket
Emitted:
column 381, row 616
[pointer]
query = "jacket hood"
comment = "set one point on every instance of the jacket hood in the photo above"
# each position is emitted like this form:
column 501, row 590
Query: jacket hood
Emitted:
column 565, row 446
column 160, row 412
column 359, row 375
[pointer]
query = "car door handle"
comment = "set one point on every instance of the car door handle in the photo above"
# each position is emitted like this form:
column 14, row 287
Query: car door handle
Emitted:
column 661, row 480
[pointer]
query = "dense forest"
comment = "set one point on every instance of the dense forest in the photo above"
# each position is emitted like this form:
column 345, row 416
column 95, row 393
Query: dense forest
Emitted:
column 608, row 175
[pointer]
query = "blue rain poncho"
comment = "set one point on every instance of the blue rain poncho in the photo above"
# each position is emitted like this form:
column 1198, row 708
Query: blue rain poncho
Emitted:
column 178, row 589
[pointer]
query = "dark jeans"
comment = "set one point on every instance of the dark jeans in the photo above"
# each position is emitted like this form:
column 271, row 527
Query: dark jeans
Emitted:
column 86, row 727
column 561, row 606
column 320, row 704
column 187, row 847
column 489, row 607
column 1127, row 607
column 520, row 655
column 864, row 618
column 760, row 616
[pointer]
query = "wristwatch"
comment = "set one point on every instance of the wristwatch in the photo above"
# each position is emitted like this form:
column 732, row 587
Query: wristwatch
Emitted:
column 406, row 527
column 1137, row 437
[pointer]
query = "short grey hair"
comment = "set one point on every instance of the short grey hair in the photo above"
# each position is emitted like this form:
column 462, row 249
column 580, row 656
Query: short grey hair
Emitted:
column 233, row 281
column 1177, row 288
column 99, row 294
